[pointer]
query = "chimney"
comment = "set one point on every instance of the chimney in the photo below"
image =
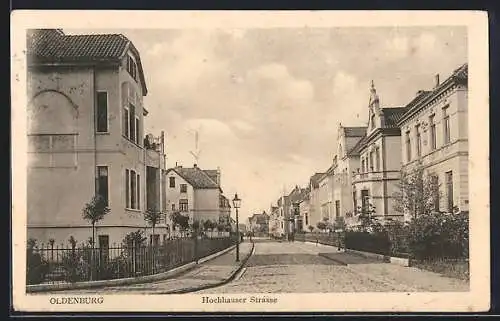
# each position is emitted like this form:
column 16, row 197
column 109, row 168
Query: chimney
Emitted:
column 195, row 166
column 436, row 80
column 420, row 92
column 218, row 175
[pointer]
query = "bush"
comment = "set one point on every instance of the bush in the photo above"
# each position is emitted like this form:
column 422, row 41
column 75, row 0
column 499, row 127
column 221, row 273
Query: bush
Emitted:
column 439, row 235
column 377, row 242
column 37, row 267
column 398, row 234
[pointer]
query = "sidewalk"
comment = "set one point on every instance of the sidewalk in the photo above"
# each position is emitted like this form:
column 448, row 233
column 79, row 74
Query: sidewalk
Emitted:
column 208, row 274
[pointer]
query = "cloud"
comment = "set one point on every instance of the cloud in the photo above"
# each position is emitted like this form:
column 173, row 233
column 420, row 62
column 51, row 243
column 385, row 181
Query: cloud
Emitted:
column 268, row 101
column 397, row 46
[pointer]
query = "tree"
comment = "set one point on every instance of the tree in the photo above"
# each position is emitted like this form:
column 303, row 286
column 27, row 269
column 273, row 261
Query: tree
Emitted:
column 311, row 228
column 208, row 225
column 180, row 220
column 321, row 225
column 153, row 217
column 94, row 211
column 417, row 194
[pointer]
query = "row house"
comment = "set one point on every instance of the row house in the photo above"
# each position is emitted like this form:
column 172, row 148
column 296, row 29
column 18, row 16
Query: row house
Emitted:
column 347, row 161
column 326, row 182
column 295, row 219
column 376, row 180
column 430, row 131
column 435, row 136
column 86, row 137
column 274, row 221
column 259, row 223
column 196, row 193
column 313, row 209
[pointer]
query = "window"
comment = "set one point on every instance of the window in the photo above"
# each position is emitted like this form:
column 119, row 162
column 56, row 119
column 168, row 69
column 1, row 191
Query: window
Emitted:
column 306, row 217
column 132, row 67
column 183, row 188
column 449, row 190
column 419, row 141
column 102, row 112
column 138, row 191
column 432, row 132
column 377, row 159
column 408, row 146
column 363, row 165
column 435, row 185
column 337, row 208
column 446, row 126
column 371, row 162
column 137, row 131
column 132, row 136
column 102, row 183
column 183, row 205
column 126, row 128
column 365, row 201
column 127, row 188
column 172, row 182
column 173, row 207
column 132, row 189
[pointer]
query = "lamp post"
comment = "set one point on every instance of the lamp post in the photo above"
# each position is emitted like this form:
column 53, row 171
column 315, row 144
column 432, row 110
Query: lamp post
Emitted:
column 236, row 205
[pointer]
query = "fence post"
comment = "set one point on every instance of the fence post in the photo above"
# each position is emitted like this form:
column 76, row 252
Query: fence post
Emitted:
column 134, row 271
column 195, row 234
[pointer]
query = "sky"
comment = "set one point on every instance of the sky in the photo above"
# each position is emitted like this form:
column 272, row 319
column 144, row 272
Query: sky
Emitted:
column 267, row 102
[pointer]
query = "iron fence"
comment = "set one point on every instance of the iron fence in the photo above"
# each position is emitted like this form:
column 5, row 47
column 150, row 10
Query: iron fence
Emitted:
column 61, row 264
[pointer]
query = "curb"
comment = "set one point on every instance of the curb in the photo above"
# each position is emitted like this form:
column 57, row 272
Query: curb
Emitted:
column 125, row 281
column 332, row 259
column 384, row 258
column 217, row 284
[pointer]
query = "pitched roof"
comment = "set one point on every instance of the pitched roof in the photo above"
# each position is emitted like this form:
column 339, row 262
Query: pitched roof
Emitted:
column 315, row 179
column 195, row 177
column 356, row 150
column 52, row 45
column 392, row 116
column 459, row 76
column 212, row 173
column 354, row 131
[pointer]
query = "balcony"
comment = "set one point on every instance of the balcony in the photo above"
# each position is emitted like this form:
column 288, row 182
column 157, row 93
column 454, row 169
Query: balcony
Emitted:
column 153, row 147
column 375, row 176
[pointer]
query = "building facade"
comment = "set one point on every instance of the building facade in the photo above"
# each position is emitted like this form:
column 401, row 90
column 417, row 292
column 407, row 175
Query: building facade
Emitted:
column 86, row 137
column 315, row 199
column 347, row 160
column 196, row 193
column 259, row 224
column 380, row 163
column 435, row 136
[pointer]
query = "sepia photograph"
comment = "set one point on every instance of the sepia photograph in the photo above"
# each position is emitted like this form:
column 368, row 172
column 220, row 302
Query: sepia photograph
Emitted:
column 260, row 161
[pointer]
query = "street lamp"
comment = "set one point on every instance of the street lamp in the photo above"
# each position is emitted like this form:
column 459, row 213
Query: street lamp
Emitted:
column 236, row 205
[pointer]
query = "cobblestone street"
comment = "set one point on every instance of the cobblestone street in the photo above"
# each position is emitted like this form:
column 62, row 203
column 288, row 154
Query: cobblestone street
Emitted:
column 283, row 267
column 293, row 267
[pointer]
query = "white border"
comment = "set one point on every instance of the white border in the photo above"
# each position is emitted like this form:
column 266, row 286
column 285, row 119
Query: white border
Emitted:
column 478, row 299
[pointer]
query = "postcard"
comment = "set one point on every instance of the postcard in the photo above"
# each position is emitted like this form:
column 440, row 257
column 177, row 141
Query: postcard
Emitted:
column 250, row 161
